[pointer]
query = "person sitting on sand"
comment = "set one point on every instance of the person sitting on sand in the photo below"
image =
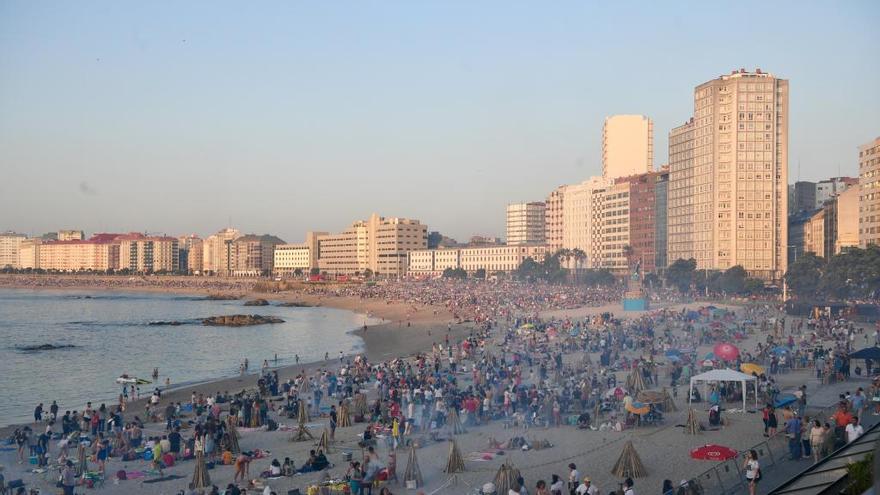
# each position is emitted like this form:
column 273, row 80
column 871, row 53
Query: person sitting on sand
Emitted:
column 583, row 421
column 288, row 469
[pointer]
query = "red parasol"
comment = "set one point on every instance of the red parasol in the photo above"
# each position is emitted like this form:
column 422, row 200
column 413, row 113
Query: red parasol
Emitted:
column 713, row 452
column 725, row 351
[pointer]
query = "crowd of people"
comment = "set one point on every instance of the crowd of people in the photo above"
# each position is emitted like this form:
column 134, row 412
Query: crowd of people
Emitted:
column 513, row 366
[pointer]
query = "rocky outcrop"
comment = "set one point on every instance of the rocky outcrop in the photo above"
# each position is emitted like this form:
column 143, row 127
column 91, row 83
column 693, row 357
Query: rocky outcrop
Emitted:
column 257, row 302
column 240, row 320
column 162, row 323
column 295, row 304
column 222, row 297
column 44, row 347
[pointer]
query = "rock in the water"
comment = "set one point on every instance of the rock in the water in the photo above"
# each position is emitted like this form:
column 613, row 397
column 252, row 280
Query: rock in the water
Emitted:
column 45, row 347
column 222, row 297
column 257, row 302
column 240, row 320
column 295, row 304
column 172, row 323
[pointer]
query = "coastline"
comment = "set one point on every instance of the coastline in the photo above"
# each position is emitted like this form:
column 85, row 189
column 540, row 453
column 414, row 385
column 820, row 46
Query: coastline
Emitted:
column 404, row 330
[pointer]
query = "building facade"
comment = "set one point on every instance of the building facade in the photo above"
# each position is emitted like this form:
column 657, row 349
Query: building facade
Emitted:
column 526, row 223
column 378, row 244
column 803, row 197
column 847, row 205
column 492, row 259
column 217, row 252
column 661, row 198
column 627, row 146
column 10, row 246
column 71, row 235
column 142, row 254
column 292, row 258
column 829, row 188
column 553, row 213
column 254, row 255
column 869, row 193
column 730, row 200
column 581, row 214
column 71, row 256
column 191, row 250
column 814, row 234
column 642, row 219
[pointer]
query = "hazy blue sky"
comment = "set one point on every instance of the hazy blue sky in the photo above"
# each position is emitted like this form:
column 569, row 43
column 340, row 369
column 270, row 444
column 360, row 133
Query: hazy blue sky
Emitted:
column 177, row 116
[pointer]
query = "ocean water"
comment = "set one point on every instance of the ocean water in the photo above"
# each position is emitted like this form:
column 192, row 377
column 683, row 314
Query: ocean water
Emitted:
column 112, row 336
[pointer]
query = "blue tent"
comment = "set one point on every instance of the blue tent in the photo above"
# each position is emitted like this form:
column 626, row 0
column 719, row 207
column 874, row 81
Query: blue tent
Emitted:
column 784, row 400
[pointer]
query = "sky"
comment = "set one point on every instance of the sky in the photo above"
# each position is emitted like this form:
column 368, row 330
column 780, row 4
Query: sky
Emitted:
column 282, row 117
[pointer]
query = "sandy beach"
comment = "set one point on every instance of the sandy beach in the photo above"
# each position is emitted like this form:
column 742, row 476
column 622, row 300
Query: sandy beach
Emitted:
column 410, row 328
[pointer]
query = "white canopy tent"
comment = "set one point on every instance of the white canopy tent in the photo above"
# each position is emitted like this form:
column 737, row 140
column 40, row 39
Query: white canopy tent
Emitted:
column 725, row 375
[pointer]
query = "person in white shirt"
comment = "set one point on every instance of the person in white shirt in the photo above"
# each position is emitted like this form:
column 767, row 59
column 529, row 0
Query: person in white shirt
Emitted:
column 573, row 477
column 628, row 487
column 586, row 488
column 853, row 430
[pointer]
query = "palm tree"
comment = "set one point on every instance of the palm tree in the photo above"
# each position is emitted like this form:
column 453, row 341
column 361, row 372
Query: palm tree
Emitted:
column 579, row 255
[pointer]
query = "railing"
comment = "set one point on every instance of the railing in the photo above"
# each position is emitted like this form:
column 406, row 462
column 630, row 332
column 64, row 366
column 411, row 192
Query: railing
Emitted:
column 728, row 477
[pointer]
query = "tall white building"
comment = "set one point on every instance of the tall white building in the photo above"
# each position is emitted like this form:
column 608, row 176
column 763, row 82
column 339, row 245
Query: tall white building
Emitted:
column 525, row 223
column 10, row 245
column 728, row 182
column 627, row 146
column 581, row 214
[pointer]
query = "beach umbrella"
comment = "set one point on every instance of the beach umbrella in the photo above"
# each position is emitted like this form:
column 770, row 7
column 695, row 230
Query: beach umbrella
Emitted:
column 752, row 368
column 360, row 404
column 710, row 356
column 673, row 352
column 629, row 464
column 726, row 351
column 201, row 478
column 779, row 350
column 713, row 452
column 454, row 461
column 692, row 426
column 412, row 477
column 506, row 477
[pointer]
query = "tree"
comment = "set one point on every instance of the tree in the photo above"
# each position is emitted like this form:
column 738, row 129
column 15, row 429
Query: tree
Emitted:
column 652, row 280
column 805, row 274
column 368, row 273
column 480, row 273
column 528, row 269
column 680, row 274
column 733, row 280
column 599, row 278
column 298, row 272
column 455, row 273
column 579, row 257
column 315, row 272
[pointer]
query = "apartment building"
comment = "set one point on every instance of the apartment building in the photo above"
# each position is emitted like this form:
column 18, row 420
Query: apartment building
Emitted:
column 869, row 193
column 553, row 213
column 10, row 246
column 661, row 199
column 492, row 259
column 217, row 252
column 378, row 244
column 581, row 214
column 728, row 190
column 190, row 252
column 526, row 223
column 627, row 146
column 70, row 256
column 253, row 255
